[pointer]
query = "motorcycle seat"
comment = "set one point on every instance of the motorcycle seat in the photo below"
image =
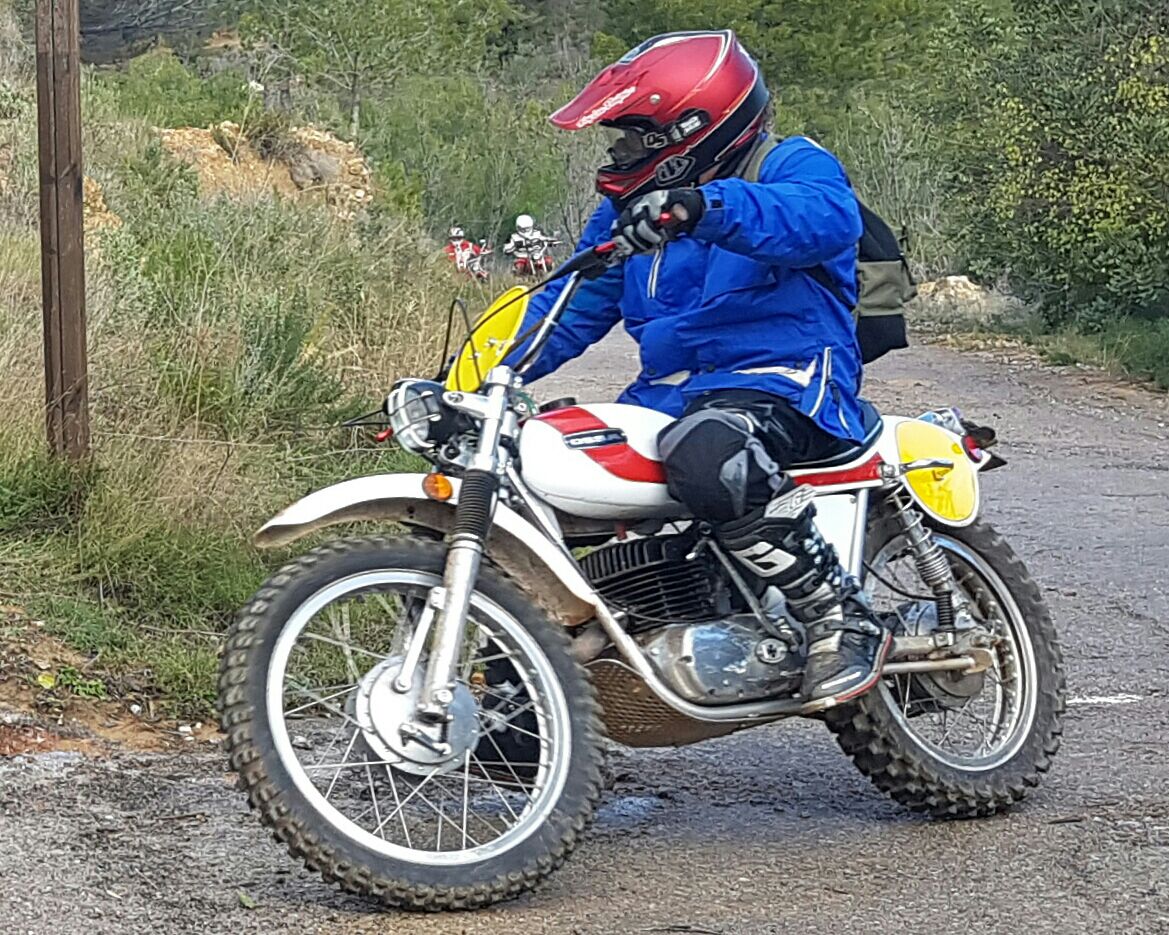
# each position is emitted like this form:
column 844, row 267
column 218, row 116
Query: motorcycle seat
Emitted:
column 872, row 427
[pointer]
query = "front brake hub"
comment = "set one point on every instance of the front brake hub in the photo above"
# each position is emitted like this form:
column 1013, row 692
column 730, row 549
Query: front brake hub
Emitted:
column 393, row 732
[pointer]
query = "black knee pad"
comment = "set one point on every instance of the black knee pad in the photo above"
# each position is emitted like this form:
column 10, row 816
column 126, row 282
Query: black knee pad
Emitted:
column 715, row 464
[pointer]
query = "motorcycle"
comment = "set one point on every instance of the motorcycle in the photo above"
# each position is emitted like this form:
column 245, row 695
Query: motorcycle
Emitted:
column 538, row 261
column 470, row 258
column 419, row 715
column 477, row 263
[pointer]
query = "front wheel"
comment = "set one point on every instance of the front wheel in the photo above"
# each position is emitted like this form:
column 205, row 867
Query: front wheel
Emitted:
column 957, row 745
column 314, row 723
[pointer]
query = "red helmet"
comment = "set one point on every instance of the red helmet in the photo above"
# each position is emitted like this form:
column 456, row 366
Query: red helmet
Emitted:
column 679, row 104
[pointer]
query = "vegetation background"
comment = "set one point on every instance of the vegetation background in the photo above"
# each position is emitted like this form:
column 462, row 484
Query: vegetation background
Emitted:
column 1022, row 142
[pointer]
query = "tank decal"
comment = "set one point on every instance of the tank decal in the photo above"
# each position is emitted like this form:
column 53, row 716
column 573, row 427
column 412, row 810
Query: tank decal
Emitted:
column 618, row 457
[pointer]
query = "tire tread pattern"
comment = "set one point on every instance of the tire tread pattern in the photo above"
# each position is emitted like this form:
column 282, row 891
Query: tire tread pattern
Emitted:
column 268, row 797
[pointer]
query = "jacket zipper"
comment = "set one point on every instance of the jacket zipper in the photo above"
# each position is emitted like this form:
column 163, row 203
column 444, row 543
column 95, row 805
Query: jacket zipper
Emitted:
column 651, row 290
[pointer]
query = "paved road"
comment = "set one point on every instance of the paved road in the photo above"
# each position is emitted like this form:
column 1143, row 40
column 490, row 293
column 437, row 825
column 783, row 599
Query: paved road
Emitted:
column 772, row 830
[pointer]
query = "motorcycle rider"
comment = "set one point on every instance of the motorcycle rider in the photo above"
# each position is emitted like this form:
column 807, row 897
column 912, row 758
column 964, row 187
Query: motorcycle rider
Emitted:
column 459, row 248
column 755, row 356
column 526, row 241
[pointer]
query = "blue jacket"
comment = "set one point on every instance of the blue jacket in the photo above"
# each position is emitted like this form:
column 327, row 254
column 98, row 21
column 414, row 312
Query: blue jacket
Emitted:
column 731, row 306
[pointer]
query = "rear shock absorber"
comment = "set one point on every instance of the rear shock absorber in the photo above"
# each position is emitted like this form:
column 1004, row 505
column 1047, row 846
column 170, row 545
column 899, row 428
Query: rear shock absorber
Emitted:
column 931, row 562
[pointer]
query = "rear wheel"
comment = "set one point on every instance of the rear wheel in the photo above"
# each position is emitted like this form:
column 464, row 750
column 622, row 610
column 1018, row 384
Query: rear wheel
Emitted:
column 459, row 819
column 953, row 744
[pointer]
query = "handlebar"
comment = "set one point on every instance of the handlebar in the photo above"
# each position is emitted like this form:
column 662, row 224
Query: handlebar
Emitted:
column 588, row 264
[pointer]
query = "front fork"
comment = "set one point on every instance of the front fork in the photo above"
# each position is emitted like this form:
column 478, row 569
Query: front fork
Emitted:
column 444, row 619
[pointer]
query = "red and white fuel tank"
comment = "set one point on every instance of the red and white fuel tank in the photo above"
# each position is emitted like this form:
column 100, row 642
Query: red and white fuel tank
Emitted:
column 599, row 461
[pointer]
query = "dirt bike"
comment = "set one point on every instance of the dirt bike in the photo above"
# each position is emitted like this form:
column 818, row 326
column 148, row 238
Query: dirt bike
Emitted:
column 539, row 260
column 419, row 715
column 477, row 263
column 471, row 258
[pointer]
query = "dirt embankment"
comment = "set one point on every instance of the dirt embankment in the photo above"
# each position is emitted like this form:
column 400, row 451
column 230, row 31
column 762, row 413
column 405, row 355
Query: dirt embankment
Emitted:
column 295, row 162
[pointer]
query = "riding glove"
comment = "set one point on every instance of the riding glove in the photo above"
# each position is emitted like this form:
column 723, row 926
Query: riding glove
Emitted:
column 639, row 229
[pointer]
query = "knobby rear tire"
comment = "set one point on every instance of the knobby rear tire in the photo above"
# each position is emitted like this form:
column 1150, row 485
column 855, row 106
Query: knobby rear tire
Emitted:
column 315, row 842
column 878, row 744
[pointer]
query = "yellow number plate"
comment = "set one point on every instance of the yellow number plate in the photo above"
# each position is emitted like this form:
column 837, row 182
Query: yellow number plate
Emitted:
column 948, row 494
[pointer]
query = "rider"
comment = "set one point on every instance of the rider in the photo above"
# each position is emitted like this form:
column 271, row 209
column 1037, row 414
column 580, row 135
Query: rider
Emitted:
column 460, row 249
column 737, row 337
column 526, row 239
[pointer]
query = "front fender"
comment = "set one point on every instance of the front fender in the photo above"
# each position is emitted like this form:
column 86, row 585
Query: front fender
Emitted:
column 515, row 545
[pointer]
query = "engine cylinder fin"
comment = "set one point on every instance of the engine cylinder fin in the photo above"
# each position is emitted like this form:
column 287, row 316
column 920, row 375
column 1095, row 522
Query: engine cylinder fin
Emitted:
column 654, row 580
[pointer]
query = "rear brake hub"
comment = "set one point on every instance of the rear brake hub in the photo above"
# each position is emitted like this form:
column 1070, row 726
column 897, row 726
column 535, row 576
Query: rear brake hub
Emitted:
column 949, row 688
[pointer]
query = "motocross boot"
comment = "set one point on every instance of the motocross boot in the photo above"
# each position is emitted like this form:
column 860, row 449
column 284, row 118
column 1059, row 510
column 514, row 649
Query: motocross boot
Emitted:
column 781, row 546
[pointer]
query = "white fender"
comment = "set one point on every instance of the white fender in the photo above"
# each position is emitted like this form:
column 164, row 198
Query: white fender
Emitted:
column 517, row 546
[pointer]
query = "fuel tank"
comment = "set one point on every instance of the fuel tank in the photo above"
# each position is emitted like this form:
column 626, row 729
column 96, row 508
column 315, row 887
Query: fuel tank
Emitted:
column 599, row 461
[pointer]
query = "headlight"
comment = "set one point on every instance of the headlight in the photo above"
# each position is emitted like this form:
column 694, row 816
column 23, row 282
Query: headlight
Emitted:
column 416, row 414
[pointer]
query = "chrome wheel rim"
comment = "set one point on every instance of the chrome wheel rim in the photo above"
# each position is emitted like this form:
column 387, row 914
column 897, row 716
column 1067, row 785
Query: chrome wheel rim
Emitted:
column 986, row 730
column 449, row 814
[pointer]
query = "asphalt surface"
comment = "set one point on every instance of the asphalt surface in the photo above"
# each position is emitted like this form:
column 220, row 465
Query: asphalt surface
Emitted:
column 770, row 831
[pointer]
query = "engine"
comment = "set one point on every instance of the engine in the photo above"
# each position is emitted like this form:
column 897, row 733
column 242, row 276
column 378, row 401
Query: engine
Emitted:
column 678, row 604
column 653, row 581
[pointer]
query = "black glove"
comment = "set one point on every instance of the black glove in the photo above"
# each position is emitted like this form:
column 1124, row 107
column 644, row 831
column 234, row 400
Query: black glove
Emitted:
column 639, row 229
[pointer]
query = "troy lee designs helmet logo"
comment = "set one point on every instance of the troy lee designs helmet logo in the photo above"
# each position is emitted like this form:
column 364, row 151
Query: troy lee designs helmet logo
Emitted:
column 613, row 100
column 673, row 169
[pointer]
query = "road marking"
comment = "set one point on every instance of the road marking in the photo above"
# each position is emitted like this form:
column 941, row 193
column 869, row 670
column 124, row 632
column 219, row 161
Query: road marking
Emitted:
column 1107, row 699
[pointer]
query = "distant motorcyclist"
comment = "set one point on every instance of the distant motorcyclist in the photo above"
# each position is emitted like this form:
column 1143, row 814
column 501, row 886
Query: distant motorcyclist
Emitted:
column 467, row 255
column 530, row 247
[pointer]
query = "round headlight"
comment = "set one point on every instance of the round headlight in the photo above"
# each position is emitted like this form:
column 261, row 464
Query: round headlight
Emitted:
column 415, row 411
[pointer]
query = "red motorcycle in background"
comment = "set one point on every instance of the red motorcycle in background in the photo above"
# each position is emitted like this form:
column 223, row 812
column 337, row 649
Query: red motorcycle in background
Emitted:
column 531, row 248
column 468, row 257
column 537, row 261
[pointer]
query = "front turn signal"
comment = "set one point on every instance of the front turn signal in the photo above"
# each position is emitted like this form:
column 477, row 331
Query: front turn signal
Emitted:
column 438, row 487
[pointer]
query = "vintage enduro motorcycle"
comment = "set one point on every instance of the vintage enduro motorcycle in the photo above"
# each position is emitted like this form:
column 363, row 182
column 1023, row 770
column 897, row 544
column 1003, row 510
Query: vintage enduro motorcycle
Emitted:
column 419, row 715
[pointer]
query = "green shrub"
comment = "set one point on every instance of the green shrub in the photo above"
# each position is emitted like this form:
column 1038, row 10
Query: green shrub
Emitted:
column 38, row 492
column 159, row 88
column 1059, row 160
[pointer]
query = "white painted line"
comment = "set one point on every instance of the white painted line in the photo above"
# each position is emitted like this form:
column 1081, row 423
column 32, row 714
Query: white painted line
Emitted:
column 1107, row 699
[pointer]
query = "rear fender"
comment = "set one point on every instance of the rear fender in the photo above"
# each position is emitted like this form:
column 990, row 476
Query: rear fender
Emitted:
column 515, row 545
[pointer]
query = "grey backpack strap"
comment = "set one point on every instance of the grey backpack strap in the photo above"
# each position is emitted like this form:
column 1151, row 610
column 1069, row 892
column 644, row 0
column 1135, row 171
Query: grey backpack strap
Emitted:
column 759, row 153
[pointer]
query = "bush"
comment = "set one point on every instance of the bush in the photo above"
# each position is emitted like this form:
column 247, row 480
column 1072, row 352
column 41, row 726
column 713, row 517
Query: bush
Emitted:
column 227, row 339
column 159, row 88
column 1061, row 177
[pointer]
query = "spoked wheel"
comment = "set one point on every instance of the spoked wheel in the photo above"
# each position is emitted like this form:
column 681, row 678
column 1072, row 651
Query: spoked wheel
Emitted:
column 327, row 746
column 956, row 744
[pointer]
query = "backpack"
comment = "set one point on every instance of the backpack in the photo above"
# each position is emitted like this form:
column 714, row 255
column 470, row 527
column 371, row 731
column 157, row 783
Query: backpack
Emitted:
column 884, row 281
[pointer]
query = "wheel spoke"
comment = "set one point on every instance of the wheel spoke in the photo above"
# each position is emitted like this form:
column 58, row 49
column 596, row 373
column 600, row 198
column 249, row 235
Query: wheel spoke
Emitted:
column 377, row 815
column 506, row 761
column 337, row 772
column 958, row 730
column 317, row 699
column 344, row 647
column 466, row 773
column 498, row 791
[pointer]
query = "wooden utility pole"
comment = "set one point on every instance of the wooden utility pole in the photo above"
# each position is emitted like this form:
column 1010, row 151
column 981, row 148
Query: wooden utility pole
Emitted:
column 58, row 32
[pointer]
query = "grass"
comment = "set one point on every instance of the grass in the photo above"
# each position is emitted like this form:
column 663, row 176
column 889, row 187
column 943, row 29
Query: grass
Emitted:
column 1130, row 347
column 226, row 342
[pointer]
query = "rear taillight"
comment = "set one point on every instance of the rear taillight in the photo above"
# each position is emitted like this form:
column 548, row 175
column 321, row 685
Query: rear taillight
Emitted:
column 973, row 452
